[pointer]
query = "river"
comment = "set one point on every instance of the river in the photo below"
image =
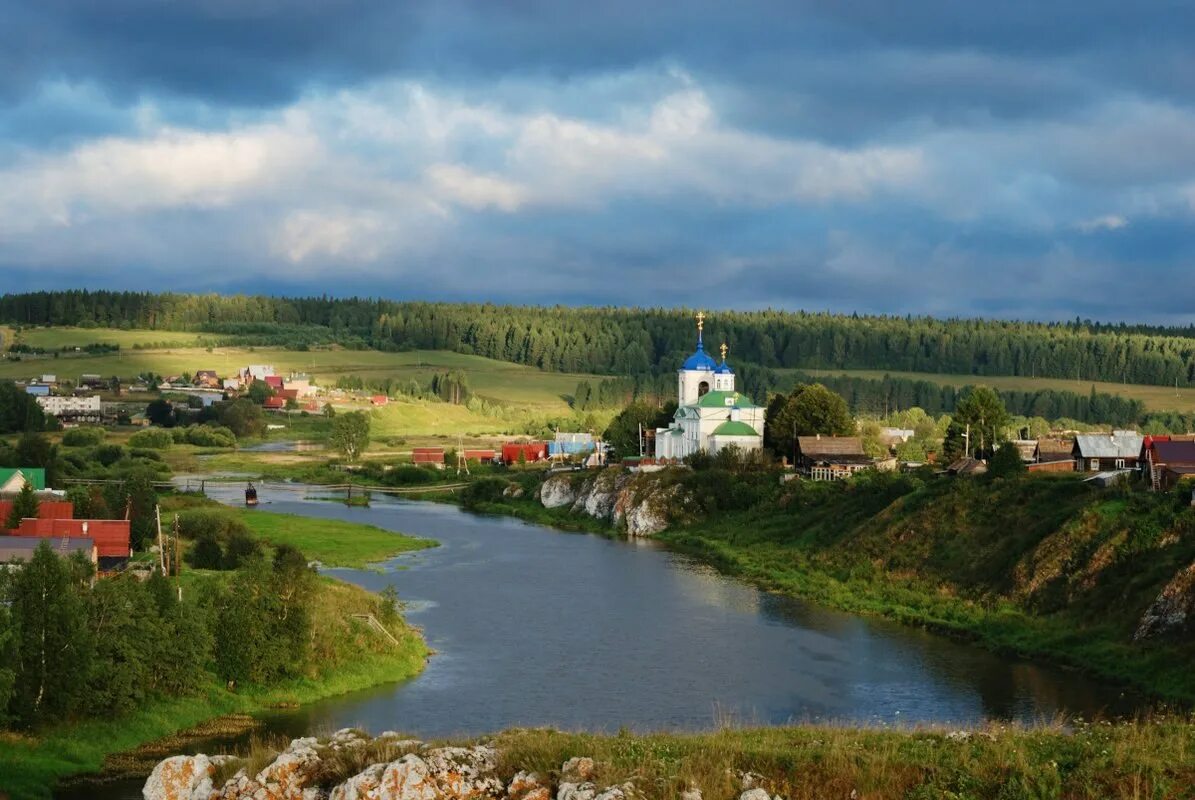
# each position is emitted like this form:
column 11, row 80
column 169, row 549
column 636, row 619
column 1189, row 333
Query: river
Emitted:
column 536, row 627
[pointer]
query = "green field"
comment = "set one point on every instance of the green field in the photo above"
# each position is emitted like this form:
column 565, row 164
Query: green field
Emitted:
column 58, row 338
column 493, row 380
column 332, row 542
column 1155, row 398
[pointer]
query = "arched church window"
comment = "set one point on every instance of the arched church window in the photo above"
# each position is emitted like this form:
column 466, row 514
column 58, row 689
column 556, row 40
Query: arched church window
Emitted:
column 702, row 388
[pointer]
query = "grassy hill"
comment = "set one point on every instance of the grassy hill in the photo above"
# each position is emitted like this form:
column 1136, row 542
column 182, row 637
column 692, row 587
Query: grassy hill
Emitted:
column 1155, row 398
column 493, row 380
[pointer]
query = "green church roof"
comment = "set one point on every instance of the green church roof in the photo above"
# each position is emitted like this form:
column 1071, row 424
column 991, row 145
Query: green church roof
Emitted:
column 725, row 400
column 34, row 475
column 735, row 428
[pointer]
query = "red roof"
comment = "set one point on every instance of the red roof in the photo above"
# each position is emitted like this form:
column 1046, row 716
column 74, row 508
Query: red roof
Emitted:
column 274, row 402
column 273, row 381
column 379, row 399
column 533, row 451
column 47, row 509
column 111, row 536
column 288, row 394
column 1174, row 453
column 427, row 455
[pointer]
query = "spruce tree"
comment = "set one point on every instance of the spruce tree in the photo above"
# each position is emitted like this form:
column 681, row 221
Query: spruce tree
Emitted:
column 25, row 506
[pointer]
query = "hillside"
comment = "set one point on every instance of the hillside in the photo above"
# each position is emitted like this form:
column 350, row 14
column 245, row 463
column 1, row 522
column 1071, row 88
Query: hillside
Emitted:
column 614, row 341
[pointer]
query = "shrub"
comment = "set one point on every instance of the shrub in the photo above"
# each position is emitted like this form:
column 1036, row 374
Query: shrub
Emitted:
column 108, row 454
column 486, row 490
column 152, row 438
column 210, row 436
column 407, row 475
column 83, row 437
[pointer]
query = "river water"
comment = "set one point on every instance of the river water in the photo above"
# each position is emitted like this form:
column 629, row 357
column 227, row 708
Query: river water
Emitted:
column 536, row 627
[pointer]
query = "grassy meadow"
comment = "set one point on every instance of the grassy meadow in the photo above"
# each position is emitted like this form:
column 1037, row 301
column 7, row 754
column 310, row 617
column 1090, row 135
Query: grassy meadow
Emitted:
column 1155, row 398
column 334, row 543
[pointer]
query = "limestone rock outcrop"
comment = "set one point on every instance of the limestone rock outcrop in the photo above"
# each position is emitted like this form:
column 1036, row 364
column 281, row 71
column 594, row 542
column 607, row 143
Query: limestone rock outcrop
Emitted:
column 341, row 767
column 1173, row 612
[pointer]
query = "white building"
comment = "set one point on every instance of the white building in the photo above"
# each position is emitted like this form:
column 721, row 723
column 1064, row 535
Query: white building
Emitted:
column 711, row 413
column 57, row 406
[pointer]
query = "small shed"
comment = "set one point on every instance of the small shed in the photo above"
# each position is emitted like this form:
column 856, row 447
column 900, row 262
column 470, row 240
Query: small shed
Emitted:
column 967, row 467
column 428, row 455
column 532, row 451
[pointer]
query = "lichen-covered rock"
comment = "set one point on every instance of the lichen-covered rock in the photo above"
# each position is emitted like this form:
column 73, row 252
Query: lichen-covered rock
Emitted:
column 754, row 794
column 692, row 793
column 577, row 769
column 461, row 773
column 365, row 785
column 180, row 778
column 557, row 491
column 576, row 791
column 649, row 516
column 409, row 778
column 625, row 791
column 346, row 738
column 285, row 778
column 599, row 495
column 1173, row 612
column 528, row 786
column 513, row 491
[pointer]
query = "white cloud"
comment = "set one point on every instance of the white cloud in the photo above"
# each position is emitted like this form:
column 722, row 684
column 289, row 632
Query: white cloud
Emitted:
column 460, row 185
column 1107, row 222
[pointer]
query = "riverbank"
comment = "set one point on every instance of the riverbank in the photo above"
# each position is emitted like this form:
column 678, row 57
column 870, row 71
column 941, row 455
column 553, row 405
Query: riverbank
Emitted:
column 1041, row 568
column 349, row 655
column 1087, row 762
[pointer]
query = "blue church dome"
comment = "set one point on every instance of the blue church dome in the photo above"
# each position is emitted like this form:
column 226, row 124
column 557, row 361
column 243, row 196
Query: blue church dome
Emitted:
column 700, row 360
column 723, row 369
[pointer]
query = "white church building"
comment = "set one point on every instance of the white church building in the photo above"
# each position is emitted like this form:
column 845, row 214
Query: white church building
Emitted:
column 711, row 413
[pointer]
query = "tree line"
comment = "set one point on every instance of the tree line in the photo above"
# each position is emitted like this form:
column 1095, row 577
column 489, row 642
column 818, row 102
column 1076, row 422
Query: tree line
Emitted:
column 618, row 341
column 883, row 396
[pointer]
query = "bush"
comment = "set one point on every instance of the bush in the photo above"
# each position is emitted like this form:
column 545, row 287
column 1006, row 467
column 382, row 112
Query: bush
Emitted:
column 221, row 541
column 83, row 437
column 152, row 438
column 407, row 475
column 486, row 490
column 108, row 454
column 210, row 436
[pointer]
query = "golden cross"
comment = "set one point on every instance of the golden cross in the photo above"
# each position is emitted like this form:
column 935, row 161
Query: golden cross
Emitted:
column 700, row 320
column 724, row 349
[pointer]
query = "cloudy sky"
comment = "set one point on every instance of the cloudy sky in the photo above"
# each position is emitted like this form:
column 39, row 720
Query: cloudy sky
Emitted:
column 1015, row 159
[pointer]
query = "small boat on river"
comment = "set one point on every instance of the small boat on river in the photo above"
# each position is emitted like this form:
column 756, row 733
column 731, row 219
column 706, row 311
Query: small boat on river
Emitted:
column 251, row 495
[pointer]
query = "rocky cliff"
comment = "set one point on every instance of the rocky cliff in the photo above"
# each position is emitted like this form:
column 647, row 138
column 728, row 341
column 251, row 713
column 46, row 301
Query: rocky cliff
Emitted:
column 642, row 504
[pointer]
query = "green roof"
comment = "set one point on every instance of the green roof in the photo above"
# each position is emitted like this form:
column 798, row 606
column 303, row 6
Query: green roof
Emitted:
column 735, row 428
column 34, row 475
column 725, row 400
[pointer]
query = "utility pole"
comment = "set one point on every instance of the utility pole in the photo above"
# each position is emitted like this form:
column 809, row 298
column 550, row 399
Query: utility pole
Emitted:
column 161, row 548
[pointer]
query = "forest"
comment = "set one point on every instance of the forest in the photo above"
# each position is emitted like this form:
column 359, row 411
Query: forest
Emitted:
column 879, row 397
column 619, row 341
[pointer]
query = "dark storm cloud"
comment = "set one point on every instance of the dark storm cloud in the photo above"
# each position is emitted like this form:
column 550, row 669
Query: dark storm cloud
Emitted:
column 1016, row 159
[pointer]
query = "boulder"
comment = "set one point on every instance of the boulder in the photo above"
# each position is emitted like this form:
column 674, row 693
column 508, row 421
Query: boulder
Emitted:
column 180, row 778
column 599, row 495
column 755, row 794
column 557, row 491
column 528, row 786
column 364, row 785
column 624, row 791
column 461, row 773
column 577, row 769
column 406, row 779
column 576, row 791
column 692, row 793
column 1173, row 612
column 513, row 491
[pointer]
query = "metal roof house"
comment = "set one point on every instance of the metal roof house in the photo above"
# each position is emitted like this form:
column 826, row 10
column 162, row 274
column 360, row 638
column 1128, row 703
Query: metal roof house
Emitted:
column 17, row 549
column 827, row 458
column 1096, row 452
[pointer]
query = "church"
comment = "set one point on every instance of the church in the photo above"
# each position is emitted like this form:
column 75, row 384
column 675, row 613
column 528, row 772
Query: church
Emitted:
column 711, row 413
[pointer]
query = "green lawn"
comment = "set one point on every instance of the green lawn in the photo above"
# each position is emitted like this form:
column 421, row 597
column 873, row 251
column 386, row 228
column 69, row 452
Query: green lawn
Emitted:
column 1155, row 398
column 333, row 543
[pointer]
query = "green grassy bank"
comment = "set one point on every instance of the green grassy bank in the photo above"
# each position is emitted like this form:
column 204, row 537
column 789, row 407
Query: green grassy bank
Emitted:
column 347, row 655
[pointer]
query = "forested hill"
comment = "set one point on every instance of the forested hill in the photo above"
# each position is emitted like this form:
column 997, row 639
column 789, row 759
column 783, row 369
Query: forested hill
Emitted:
column 635, row 341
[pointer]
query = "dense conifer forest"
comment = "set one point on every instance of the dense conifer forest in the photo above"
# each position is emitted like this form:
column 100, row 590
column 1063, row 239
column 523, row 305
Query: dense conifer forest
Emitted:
column 619, row 341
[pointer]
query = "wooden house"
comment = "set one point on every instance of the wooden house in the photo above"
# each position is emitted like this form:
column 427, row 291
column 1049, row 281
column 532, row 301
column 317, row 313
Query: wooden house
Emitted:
column 828, row 458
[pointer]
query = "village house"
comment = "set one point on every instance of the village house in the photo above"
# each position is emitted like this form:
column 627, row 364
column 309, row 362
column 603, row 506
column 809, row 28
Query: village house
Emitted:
column 1026, row 448
column 206, row 379
column 1099, row 452
column 74, row 409
column 967, row 467
column 13, row 479
column 1053, row 449
column 17, row 550
column 1166, row 460
column 828, row 458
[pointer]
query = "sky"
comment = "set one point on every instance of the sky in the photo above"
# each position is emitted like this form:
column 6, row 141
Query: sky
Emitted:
column 1015, row 159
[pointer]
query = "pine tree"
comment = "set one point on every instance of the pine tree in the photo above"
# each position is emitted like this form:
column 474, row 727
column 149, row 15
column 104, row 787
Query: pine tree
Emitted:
column 24, row 506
